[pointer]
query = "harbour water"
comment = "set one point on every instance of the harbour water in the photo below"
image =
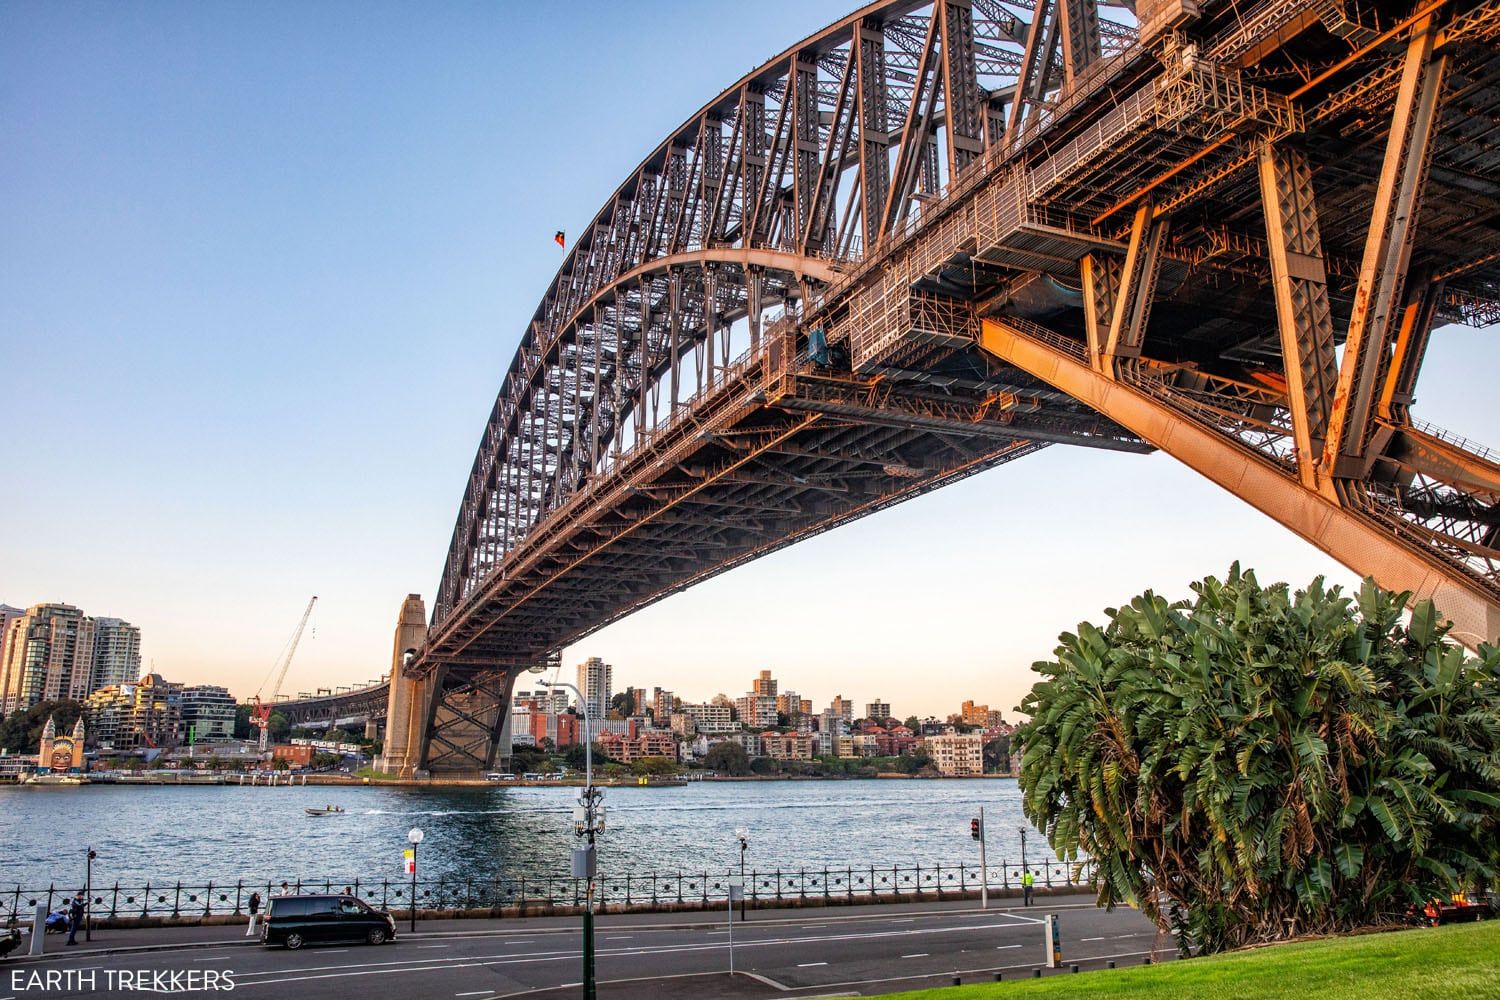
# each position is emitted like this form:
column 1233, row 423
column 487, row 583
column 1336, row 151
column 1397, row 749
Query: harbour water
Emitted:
column 161, row 834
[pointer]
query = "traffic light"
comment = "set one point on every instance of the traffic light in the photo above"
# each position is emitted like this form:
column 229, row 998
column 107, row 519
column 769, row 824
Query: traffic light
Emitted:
column 974, row 827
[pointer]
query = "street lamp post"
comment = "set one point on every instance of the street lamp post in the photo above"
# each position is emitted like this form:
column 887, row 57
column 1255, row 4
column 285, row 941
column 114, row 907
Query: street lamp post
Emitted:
column 1022, row 831
column 744, row 838
column 588, row 822
column 88, row 884
column 414, row 837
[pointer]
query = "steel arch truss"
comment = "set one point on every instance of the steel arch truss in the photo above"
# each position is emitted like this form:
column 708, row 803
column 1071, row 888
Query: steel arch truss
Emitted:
column 766, row 193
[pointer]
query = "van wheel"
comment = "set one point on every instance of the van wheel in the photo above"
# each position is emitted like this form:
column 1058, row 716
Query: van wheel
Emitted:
column 293, row 941
column 376, row 935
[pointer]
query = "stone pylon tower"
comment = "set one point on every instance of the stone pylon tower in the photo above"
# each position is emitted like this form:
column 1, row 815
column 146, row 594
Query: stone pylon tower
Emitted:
column 409, row 699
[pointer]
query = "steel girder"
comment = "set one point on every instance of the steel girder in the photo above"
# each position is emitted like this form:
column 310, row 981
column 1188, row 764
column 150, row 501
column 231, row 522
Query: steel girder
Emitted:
column 882, row 185
column 768, row 191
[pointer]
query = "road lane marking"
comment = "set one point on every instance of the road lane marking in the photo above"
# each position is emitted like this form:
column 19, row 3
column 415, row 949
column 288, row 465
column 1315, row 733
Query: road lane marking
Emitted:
column 1005, row 947
column 919, row 954
column 1017, row 916
column 424, row 947
column 813, row 927
column 473, row 993
column 905, row 920
column 618, row 937
column 381, row 968
column 809, row 965
column 1092, row 939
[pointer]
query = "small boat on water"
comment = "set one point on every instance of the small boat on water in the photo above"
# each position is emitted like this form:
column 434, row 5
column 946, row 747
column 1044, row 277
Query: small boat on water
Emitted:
column 326, row 811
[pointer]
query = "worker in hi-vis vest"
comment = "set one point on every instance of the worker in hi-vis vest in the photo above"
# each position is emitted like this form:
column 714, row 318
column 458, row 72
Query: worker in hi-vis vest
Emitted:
column 1028, row 882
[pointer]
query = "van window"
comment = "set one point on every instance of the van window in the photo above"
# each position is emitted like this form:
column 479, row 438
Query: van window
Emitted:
column 284, row 906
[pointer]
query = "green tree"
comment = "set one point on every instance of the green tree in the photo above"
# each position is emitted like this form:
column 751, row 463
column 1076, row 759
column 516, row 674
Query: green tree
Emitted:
column 1256, row 764
column 914, row 762
column 279, row 727
column 728, row 758
column 243, row 730
column 21, row 732
column 997, row 754
column 655, row 765
column 913, row 723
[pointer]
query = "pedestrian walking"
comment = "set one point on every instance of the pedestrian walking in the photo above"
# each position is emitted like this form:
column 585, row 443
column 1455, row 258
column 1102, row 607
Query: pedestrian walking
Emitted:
column 76, row 910
column 254, row 905
column 1028, row 883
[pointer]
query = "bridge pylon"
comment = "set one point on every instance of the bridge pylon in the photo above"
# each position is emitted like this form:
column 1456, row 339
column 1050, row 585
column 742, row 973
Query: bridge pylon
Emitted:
column 406, row 709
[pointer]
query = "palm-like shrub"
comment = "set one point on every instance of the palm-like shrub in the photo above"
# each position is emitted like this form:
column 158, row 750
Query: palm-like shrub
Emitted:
column 1256, row 764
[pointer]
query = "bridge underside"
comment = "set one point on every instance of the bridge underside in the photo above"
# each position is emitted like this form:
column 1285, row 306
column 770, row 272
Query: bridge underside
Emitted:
column 1225, row 230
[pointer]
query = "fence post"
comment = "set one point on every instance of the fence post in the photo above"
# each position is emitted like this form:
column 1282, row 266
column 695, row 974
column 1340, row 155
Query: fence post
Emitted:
column 208, row 904
column 114, row 899
column 939, row 880
column 177, row 898
column 802, row 884
column 145, row 900
column 873, row 894
column 825, row 882
column 849, row 883
column 778, row 885
column 627, row 888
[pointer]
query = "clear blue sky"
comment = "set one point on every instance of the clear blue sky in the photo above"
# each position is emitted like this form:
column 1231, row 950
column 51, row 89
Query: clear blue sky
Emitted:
column 263, row 265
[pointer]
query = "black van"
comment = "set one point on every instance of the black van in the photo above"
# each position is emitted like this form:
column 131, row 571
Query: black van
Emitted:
column 298, row 920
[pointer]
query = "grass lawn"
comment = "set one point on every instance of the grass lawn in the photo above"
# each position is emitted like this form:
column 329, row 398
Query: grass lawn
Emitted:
column 1459, row 961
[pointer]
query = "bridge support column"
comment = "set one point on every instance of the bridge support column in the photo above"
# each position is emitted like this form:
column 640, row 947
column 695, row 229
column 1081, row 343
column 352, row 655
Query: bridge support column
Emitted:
column 406, row 707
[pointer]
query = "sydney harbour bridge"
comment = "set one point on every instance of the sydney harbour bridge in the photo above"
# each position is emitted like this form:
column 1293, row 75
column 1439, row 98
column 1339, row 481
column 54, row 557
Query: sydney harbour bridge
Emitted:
column 936, row 237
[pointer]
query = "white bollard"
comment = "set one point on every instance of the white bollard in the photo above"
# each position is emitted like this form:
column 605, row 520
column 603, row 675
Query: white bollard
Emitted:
column 39, row 929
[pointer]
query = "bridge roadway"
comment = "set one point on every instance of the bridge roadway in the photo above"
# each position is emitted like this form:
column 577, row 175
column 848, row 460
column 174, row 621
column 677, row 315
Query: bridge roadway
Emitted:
column 865, row 950
column 938, row 236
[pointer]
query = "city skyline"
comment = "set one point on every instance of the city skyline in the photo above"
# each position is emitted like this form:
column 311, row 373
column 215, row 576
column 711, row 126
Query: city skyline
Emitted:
column 290, row 263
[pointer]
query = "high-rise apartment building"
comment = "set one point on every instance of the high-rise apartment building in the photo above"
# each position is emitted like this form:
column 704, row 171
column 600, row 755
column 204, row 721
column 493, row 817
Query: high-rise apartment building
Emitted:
column 709, row 718
column 117, row 653
column 763, row 685
column 146, row 714
column 49, row 655
column 8, row 614
column 757, row 709
column 878, row 710
column 842, row 708
column 663, row 704
column 595, row 681
column 208, row 711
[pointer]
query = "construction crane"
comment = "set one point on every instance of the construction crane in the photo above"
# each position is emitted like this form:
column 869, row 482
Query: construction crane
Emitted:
column 261, row 715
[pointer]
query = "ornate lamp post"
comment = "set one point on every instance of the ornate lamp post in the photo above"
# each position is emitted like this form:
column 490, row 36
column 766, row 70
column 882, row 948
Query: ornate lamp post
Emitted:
column 588, row 823
column 744, row 838
column 414, row 837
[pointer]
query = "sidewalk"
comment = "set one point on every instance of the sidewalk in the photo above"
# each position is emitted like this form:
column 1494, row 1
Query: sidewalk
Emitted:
column 111, row 941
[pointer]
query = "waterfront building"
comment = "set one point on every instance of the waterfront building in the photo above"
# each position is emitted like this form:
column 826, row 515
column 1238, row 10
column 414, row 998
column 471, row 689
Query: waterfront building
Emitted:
column 117, row 654
column 595, row 680
column 843, row 709
column 865, row 745
column 712, row 717
column 8, row 614
column 757, row 710
column 823, row 743
column 878, row 711
column 971, row 714
column 295, row 755
column 208, row 711
column 147, row 713
column 751, row 743
column 833, row 723
column 49, row 656
column 786, row 746
column 631, row 747
column 955, row 754
column 683, row 724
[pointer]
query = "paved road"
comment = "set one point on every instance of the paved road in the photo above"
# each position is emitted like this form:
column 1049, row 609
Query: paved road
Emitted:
column 779, row 953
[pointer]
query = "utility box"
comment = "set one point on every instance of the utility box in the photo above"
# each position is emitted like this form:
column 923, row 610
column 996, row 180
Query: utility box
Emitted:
column 585, row 862
column 736, row 888
column 1054, row 942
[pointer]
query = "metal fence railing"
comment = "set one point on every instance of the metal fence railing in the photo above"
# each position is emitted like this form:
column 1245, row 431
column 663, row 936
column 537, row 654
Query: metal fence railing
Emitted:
column 789, row 886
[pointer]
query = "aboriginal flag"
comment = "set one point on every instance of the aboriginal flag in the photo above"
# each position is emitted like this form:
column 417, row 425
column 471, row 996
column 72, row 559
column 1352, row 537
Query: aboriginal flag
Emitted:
column 561, row 239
